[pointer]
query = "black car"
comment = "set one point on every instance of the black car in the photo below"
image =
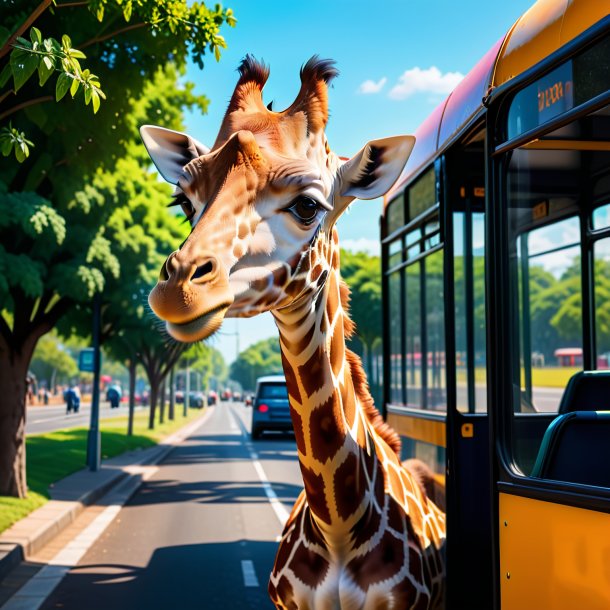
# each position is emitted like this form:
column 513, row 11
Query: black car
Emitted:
column 270, row 407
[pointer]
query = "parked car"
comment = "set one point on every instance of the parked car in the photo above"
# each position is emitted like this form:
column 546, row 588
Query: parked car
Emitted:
column 196, row 400
column 270, row 407
column 212, row 397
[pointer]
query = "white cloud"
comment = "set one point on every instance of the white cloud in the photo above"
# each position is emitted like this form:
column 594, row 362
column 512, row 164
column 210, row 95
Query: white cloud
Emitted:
column 370, row 246
column 370, row 86
column 430, row 80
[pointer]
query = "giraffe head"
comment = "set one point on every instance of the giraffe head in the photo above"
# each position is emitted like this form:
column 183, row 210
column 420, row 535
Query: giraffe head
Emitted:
column 260, row 202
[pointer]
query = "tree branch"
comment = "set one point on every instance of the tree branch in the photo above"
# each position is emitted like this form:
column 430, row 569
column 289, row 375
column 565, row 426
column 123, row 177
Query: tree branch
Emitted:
column 70, row 4
column 37, row 100
column 41, row 8
column 133, row 26
column 5, row 95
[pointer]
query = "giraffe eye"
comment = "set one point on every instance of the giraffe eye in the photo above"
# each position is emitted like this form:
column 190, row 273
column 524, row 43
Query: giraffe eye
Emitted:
column 187, row 207
column 304, row 209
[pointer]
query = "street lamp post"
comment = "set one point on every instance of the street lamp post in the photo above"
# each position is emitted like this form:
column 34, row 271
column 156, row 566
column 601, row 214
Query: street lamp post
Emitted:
column 93, row 438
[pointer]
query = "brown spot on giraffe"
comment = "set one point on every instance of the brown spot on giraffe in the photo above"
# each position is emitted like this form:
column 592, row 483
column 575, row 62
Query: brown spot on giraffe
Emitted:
column 299, row 433
column 291, row 379
column 350, row 485
column 309, row 566
column 326, row 429
column 315, row 373
column 315, row 490
column 379, row 564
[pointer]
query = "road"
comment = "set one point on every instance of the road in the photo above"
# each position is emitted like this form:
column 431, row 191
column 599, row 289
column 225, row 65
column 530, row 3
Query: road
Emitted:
column 47, row 419
column 199, row 534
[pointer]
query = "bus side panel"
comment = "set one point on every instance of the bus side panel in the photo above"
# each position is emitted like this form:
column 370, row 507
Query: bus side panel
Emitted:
column 553, row 556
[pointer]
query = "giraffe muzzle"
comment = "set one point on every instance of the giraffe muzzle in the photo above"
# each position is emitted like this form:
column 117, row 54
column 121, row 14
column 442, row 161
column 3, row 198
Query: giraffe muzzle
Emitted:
column 191, row 297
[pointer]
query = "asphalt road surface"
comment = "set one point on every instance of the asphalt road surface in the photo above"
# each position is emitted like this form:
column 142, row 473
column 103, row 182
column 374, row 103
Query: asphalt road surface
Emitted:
column 47, row 419
column 199, row 534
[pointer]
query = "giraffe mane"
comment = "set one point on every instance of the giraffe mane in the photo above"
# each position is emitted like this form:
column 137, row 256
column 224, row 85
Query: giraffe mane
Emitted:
column 361, row 386
column 252, row 70
column 318, row 69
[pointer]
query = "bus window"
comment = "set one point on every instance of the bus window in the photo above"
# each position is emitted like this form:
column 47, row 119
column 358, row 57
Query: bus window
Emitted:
column 601, row 217
column 602, row 298
column 550, row 313
column 558, row 218
column 469, row 270
column 395, row 335
column 413, row 352
column 435, row 326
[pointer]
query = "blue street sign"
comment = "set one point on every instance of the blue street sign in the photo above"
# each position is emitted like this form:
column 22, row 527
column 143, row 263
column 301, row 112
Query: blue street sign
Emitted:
column 85, row 360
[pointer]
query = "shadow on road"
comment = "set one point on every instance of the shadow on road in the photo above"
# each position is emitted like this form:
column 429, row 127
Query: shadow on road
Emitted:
column 211, row 492
column 185, row 577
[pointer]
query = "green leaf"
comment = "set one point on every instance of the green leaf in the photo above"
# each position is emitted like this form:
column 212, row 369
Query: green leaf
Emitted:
column 63, row 84
column 5, row 75
column 66, row 43
column 7, row 146
column 35, row 35
column 24, row 42
column 127, row 10
column 74, row 87
column 95, row 99
column 217, row 52
column 77, row 54
column 87, row 96
column 23, row 65
column 100, row 12
column 20, row 154
column 45, row 69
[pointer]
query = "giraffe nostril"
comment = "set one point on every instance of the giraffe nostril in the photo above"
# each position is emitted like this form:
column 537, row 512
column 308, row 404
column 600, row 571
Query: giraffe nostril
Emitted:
column 203, row 271
column 164, row 275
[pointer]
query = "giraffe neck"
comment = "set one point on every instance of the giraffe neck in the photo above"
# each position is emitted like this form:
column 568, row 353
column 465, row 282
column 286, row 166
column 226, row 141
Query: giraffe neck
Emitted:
column 336, row 457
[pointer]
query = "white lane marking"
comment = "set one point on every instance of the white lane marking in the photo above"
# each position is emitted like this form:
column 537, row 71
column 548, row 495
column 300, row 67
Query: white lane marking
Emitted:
column 34, row 593
column 247, row 570
column 280, row 510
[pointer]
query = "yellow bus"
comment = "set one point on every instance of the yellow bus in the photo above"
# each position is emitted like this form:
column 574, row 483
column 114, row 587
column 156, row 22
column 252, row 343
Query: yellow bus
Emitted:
column 496, row 292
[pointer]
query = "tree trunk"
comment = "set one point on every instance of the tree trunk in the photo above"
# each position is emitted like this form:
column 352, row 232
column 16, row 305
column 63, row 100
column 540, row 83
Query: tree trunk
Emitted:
column 132, row 394
column 162, row 403
column 172, row 395
column 154, row 387
column 13, row 371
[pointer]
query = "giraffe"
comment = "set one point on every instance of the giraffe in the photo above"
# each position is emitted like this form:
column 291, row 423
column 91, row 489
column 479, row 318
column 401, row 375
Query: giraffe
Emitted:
column 263, row 204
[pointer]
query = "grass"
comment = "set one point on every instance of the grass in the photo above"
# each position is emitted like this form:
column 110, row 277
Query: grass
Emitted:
column 54, row 455
column 547, row 377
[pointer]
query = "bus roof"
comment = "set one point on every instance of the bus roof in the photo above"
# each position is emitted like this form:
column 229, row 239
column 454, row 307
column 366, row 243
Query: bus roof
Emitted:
column 539, row 32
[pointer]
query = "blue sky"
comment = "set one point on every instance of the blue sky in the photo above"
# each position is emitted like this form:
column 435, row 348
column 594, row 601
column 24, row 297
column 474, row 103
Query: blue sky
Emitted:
column 410, row 54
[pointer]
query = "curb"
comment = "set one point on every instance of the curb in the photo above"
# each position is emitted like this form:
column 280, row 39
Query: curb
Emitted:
column 33, row 532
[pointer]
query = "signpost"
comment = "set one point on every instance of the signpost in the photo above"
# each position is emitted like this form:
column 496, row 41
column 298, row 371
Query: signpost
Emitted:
column 89, row 360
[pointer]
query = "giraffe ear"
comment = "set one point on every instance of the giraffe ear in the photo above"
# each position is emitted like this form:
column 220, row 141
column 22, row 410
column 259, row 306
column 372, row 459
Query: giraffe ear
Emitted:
column 170, row 150
column 372, row 171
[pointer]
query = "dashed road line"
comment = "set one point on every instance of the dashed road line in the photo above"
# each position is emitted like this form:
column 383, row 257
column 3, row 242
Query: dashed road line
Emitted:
column 280, row 510
column 249, row 574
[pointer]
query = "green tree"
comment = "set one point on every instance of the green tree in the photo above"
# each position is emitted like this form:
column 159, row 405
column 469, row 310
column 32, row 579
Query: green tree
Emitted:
column 362, row 273
column 52, row 362
column 261, row 358
column 57, row 245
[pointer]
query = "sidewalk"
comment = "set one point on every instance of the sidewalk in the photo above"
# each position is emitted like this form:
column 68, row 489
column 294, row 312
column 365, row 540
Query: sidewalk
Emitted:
column 71, row 495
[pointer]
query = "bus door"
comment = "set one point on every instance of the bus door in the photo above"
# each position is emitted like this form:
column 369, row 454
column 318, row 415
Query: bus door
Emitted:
column 550, row 287
column 468, row 475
